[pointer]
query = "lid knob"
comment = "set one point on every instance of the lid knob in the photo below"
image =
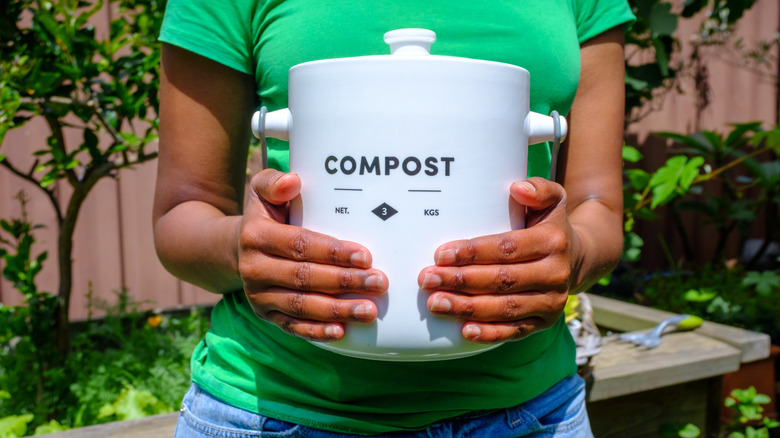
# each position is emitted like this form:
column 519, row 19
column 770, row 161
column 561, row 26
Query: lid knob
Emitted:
column 410, row 41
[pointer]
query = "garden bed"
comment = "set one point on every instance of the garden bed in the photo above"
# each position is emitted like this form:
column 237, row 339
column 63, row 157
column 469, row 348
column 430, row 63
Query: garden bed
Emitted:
column 635, row 391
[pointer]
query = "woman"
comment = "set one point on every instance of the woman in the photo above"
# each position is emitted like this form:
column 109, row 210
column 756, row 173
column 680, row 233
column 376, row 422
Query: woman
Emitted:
column 223, row 59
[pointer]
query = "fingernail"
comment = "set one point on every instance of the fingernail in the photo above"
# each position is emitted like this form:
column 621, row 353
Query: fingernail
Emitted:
column 441, row 304
column 359, row 259
column 363, row 312
column 431, row 281
column 374, row 282
column 473, row 331
column 333, row 331
column 528, row 187
column 446, row 257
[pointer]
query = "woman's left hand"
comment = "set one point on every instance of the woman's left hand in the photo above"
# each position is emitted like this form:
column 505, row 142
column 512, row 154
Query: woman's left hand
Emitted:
column 508, row 286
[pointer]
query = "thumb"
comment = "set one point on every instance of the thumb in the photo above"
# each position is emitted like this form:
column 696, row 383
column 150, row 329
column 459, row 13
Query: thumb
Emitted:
column 274, row 186
column 541, row 197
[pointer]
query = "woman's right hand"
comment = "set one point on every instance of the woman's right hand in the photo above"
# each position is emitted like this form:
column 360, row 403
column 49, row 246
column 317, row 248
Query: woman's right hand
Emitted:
column 293, row 277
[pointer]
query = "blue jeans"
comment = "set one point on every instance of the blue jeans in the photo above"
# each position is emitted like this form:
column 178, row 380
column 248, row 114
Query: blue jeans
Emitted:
column 559, row 412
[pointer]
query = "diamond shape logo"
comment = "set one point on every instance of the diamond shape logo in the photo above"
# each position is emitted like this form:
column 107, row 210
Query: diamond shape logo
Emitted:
column 384, row 211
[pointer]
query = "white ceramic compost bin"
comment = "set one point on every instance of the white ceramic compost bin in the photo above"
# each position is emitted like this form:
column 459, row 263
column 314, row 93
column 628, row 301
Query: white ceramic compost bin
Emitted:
column 402, row 153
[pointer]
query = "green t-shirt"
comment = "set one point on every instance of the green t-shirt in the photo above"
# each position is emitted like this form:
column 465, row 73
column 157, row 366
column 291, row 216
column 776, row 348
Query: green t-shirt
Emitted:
column 252, row 364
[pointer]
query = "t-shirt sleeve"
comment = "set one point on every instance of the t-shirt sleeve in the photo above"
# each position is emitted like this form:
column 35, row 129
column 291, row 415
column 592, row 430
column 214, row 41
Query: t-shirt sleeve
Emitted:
column 597, row 16
column 218, row 30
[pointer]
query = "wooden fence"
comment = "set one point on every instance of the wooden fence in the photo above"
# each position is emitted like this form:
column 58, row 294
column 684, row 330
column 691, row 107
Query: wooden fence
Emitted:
column 737, row 94
column 113, row 241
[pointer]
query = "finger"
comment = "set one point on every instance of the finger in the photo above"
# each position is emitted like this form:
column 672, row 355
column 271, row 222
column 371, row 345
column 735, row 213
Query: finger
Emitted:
column 541, row 197
column 547, row 274
column 495, row 333
column 485, row 266
column 510, row 247
column 269, row 194
column 300, row 244
column 499, row 308
column 312, row 306
column 274, row 186
column 310, row 330
column 537, row 193
column 308, row 276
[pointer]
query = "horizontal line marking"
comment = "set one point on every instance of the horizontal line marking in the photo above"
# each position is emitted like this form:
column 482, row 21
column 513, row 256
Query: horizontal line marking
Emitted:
column 425, row 191
column 347, row 190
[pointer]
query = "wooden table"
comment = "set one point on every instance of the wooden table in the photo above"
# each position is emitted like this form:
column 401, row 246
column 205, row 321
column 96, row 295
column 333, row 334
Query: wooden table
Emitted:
column 632, row 390
column 156, row 426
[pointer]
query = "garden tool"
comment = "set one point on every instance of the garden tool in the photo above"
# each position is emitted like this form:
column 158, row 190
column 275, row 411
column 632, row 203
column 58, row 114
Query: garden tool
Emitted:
column 651, row 339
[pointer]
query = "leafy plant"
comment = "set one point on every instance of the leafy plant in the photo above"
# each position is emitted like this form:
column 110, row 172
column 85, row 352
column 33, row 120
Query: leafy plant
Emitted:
column 14, row 426
column 54, row 69
column 127, row 364
column 749, row 185
column 764, row 282
column 687, row 430
column 653, row 64
column 738, row 173
column 28, row 325
column 116, row 365
column 731, row 296
column 134, row 353
column 133, row 404
column 749, row 420
column 651, row 37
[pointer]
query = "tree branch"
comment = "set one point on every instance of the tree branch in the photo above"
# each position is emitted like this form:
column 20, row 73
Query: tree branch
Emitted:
column 31, row 179
column 59, row 143
column 705, row 177
column 89, row 103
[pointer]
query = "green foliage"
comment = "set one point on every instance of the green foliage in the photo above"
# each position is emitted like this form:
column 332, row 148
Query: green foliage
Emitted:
column 653, row 64
column 764, row 282
column 126, row 365
column 749, row 420
column 748, row 186
column 101, row 88
column 50, row 427
column 687, row 430
column 653, row 68
column 728, row 296
column 14, row 426
column 747, row 403
column 702, row 295
column 29, row 325
column 58, row 66
column 750, row 432
column 131, row 349
column 133, row 404
column 55, row 67
column 116, row 367
column 653, row 33
column 740, row 296
column 20, row 268
column 673, row 179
